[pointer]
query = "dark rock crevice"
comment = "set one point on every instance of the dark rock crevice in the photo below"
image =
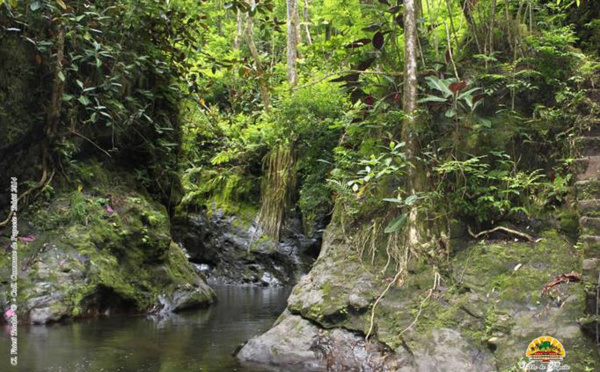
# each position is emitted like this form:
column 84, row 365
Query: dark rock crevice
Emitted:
column 232, row 250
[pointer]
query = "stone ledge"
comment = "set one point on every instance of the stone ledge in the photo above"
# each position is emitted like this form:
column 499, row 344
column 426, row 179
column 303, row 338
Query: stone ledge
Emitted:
column 590, row 207
column 588, row 145
column 591, row 246
column 588, row 168
column 590, row 225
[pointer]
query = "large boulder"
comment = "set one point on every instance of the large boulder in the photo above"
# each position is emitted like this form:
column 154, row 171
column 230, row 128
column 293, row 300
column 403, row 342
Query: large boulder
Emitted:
column 487, row 306
column 91, row 252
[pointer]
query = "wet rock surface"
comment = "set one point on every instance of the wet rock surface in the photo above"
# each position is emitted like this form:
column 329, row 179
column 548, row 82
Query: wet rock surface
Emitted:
column 488, row 307
column 230, row 249
column 85, row 254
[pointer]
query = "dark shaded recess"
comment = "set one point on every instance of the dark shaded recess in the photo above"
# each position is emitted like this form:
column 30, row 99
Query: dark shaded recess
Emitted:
column 106, row 301
column 23, row 84
column 137, row 148
column 580, row 16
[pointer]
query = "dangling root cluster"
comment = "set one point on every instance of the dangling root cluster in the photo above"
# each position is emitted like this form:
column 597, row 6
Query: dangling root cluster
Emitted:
column 278, row 186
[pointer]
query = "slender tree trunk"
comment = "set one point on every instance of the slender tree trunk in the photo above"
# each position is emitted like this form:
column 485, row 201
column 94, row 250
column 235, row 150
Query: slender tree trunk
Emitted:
column 292, row 40
column 297, row 23
column 58, row 88
column 467, row 9
column 306, row 22
column 410, row 109
column 239, row 29
column 432, row 18
column 492, row 18
column 264, row 91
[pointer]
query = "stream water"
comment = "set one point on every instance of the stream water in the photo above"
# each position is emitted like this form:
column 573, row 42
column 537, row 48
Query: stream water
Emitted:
column 202, row 340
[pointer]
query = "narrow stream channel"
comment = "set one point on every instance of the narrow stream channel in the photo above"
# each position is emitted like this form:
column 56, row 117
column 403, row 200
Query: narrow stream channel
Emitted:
column 189, row 342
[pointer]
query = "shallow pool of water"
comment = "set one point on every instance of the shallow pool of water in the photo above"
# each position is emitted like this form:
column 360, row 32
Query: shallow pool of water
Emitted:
column 202, row 340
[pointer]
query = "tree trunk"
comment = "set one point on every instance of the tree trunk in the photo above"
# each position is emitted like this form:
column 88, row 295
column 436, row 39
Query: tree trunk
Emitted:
column 467, row 8
column 292, row 40
column 238, row 30
column 306, row 22
column 416, row 236
column 58, row 88
column 264, row 91
column 491, row 32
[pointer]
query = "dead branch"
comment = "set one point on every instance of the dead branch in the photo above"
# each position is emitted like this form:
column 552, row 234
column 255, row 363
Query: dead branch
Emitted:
column 90, row 141
column 505, row 229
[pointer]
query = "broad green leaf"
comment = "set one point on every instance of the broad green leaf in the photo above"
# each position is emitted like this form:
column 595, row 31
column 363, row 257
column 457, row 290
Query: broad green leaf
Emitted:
column 440, row 85
column 411, row 200
column 396, row 224
column 83, row 100
column 468, row 93
column 432, row 99
column 450, row 113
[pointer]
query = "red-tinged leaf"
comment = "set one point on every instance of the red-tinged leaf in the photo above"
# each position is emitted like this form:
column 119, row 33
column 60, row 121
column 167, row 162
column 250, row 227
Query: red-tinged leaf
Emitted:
column 447, row 56
column 426, row 73
column 397, row 98
column 478, row 97
column 365, row 64
column 369, row 100
column 356, row 94
column 394, row 9
column 378, row 40
column 27, row 239
column 564, row 278
column 358, row 43
column 109, row 209
column 457, row 87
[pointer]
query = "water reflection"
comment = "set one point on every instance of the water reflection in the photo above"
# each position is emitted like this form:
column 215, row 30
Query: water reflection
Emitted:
column 196, row 341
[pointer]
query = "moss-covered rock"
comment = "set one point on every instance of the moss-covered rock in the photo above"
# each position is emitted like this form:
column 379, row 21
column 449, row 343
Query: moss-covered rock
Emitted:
column 99, row 251
column 489, row 304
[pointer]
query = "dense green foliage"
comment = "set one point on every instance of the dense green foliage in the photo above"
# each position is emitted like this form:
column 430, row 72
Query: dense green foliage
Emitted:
column 197, row 91
column 97, row 79
column 500, row 102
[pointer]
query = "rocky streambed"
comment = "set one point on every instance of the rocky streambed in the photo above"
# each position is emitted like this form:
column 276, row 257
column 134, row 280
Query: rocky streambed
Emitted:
column 488, row 305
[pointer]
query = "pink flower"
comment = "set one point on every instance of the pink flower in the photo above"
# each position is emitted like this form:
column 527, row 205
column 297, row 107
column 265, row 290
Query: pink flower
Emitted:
column 27, row 239
column 9, row 313
column 109, row 209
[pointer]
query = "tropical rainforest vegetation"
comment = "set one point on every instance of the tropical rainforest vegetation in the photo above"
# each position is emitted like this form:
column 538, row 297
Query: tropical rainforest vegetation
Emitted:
column 404, row 123
column 237, row 104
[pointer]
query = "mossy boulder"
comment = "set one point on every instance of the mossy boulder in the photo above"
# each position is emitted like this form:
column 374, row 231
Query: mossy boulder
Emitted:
column 99, row 251
column 490, row 301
